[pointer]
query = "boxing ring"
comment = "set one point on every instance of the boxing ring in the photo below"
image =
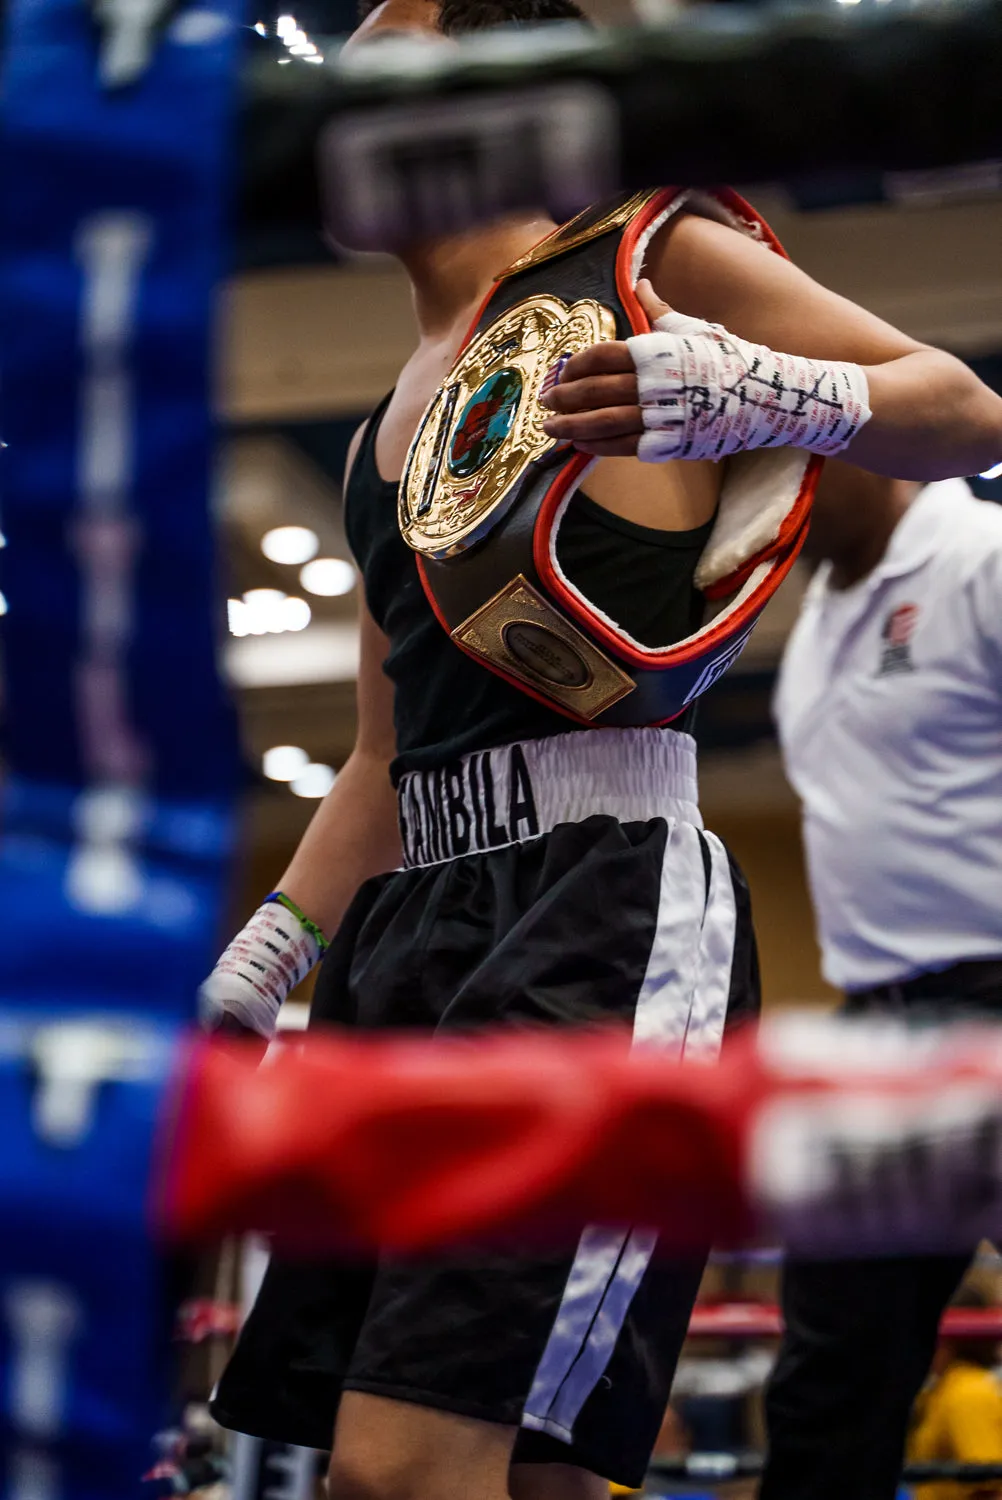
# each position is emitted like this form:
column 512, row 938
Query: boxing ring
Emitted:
column 125, row 1140
column 452, row 136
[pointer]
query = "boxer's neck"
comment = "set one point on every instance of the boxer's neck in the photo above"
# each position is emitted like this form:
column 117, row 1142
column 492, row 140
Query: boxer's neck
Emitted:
column 450, row 277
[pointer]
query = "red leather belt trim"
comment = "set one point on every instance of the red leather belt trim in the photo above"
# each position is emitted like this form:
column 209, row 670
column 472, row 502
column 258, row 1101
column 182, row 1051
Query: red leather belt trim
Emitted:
column 624, row 258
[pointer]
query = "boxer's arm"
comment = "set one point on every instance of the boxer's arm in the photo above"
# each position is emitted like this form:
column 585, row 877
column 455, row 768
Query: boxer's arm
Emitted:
column 931, row 417
column 352, row 836
column 354, row 833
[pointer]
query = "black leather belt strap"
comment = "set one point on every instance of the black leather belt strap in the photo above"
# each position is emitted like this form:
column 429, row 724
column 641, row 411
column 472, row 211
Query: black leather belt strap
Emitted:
column 461, row 584
column 975, row 983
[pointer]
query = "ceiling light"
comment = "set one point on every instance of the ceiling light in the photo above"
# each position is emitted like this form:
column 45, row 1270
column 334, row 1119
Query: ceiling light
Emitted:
column 263, row 598
column 260, row 28
column 3, row 540
column 263, row 611
column 302, row 49
column 296, row 614
column 284, row 762
column 315, row 780
column 995, row 472
column 290, row 544
column 3, row 605
column 267, row 612
column 236, row 617
column 317, row 57
column 283, row 62
column 285, row 25
column 329, row 576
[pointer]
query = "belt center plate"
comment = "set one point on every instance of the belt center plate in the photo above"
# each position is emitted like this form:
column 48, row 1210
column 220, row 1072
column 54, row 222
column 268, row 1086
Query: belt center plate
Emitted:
column 484, row 426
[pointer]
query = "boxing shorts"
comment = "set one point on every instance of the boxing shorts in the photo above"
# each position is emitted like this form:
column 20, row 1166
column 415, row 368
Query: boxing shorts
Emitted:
column 560, row 882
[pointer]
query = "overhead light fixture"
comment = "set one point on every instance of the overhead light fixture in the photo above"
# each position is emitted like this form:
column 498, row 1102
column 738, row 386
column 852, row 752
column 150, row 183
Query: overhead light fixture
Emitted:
column 296, row 614
column 317, row 58
column 263, row 611
column 290, row 544
column 995, row 472
column 236, row 617
column 267, row 612
column 302, row 49
column 285, row 26
column 328, row 576
column 284, row 762
column 314, row 780
column 3, row 605
column 260, row 28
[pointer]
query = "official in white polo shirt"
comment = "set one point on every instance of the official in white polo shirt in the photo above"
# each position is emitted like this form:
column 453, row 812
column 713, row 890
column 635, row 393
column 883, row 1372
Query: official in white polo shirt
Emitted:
column 889, row 710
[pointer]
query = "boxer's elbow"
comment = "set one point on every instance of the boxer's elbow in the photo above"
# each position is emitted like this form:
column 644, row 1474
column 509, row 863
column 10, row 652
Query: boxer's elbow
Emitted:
column 932, row 419
column 977, row 413
column 990, row 436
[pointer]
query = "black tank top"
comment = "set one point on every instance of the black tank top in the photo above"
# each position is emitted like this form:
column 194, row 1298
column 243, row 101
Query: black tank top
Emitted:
column 445, row 703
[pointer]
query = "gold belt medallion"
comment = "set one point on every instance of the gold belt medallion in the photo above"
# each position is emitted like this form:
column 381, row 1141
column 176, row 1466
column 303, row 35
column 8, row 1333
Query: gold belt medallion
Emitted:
column 484, row 426
column 520, row 631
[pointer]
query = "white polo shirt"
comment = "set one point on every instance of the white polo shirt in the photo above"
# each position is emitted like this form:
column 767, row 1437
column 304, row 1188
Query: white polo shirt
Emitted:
column 889, row 710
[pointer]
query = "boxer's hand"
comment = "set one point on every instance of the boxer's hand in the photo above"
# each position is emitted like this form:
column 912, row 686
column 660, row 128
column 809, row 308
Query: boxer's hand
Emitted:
column 232, row 1030
column 268, row 958
column 596, row 403
column 692, row 390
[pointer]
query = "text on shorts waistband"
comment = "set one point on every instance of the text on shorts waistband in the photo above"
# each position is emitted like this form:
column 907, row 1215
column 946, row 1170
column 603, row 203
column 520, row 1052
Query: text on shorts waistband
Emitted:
column 511, row 793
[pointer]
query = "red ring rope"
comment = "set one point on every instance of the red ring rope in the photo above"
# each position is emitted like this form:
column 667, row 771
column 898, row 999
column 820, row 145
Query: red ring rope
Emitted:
column 835, row 1136
column 202, row 1319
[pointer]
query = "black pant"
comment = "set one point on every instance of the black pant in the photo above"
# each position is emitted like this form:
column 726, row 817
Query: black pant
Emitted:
column 860, row 1335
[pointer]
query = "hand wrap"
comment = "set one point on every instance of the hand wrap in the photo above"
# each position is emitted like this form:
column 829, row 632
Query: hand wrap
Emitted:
column 265, row 961
column 704, row 393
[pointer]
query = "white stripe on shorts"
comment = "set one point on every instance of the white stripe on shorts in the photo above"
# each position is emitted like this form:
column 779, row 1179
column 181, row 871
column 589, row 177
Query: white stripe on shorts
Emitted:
column 682, row 1006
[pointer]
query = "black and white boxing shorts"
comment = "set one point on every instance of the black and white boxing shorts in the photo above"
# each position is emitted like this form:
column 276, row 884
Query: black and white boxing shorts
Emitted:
column 560, row 882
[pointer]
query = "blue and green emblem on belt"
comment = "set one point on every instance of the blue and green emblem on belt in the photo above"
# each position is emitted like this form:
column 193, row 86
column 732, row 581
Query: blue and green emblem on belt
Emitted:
column 483, row 429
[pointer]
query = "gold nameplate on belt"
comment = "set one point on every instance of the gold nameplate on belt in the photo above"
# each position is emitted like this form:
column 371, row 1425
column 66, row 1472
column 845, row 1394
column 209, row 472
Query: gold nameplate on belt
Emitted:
column 520, row 632
column 484, row 426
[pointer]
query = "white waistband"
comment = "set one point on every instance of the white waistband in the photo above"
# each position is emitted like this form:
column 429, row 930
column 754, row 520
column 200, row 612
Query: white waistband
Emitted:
column 517, row 792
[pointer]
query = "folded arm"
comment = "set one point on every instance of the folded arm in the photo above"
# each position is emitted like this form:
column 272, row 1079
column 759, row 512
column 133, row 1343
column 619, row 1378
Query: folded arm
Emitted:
column 932, row 418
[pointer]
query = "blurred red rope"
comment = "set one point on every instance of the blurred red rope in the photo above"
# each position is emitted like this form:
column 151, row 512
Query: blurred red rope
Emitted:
column 203, row 1319
column 828, row 1134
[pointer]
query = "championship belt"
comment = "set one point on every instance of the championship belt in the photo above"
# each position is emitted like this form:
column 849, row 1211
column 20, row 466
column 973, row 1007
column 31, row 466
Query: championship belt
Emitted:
column 485, row 489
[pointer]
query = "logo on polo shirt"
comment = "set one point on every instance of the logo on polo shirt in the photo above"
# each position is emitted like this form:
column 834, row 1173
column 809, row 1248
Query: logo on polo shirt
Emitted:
column 899, row 627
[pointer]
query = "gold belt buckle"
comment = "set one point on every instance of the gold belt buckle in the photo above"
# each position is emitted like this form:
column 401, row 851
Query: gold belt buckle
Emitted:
column 520, row 632
column 483, row 428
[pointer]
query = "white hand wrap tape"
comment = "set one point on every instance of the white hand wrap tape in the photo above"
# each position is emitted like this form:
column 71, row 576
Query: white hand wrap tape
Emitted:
column 705, row 393
column 272, row 954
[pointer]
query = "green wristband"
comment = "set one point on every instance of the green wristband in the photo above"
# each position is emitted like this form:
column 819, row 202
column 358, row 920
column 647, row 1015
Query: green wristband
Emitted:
column 311, row 927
